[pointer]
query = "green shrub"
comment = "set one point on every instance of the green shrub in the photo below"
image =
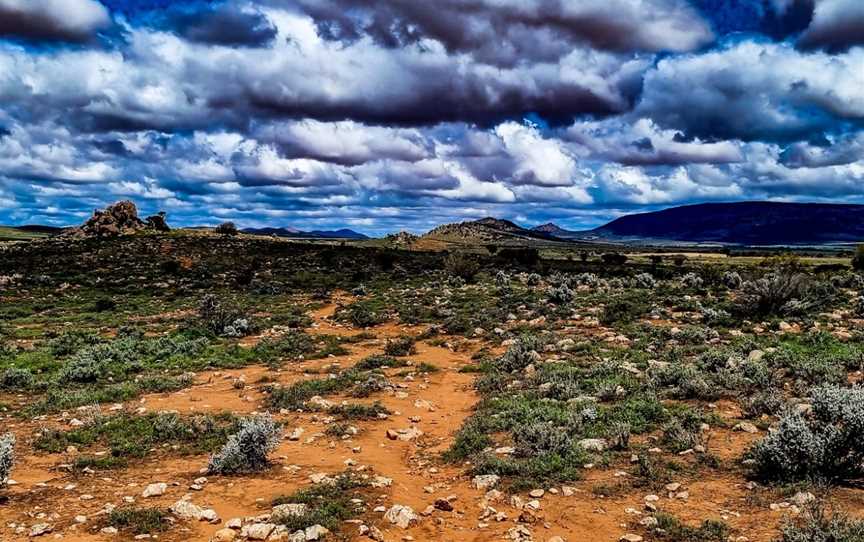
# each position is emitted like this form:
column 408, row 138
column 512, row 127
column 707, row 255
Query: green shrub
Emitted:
column 361, row 314
column 139, row 521
column 14, row 378
column 623, row 310
column 222, row 318
column 329, row 504
column 671, row 529
column 400, row 346
column 462, row 265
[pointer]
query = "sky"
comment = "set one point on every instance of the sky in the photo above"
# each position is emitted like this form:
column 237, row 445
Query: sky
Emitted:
column 384, row 115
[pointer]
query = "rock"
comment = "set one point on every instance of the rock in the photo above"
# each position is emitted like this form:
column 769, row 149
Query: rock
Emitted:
column 755, row 355
column 401, row 516
column 746, row 427
column 224, row 535
column 108, row 530
column 257, row 531
column 296, row 434
column 234, row 523
column 184, row 509
column 536, row 493
column 375, row 534
column 802, row 498
column 316, row 532
column 381, row 481
column 485, row 481
column 556, row 539
column 630, row 538
column 520, row 533
column 155, row 490
column 443, row 505
column 649, row 521
column 593, row 444
column 40, row 529
column 404, row 434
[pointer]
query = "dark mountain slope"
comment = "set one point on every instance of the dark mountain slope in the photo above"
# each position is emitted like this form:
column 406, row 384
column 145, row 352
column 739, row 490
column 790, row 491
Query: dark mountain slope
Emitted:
column 745, row 223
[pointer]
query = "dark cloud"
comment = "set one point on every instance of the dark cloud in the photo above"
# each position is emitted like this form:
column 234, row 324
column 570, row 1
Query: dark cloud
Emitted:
column 52, row 20
column 512, row 31
column 806, row 155
column 837, row 25
column 221, row 24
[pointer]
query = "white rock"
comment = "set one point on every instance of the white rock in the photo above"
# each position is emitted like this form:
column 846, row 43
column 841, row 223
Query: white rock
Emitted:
column 224, row 535
column 401, row 516
column 257, row 531
column 593, row 444
column 155, row 490
column 40, row 529
column 485, row 481
column 316, row 532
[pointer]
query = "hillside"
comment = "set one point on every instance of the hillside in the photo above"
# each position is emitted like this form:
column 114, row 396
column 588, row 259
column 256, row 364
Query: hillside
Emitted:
column 485, row 230
column 745, row 223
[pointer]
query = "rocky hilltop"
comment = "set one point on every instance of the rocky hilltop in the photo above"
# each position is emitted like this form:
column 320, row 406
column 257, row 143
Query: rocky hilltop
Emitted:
column 485, row 230
column 120, row 218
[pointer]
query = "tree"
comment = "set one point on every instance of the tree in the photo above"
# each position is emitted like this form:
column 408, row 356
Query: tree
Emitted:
column 858, row 259
column 226, row 229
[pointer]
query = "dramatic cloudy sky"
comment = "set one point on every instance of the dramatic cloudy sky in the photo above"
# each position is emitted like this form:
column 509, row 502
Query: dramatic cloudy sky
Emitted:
column 388, row 114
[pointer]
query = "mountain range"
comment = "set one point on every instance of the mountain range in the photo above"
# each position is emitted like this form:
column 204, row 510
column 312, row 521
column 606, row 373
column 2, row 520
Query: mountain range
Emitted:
column 343, row 233
column 751, row 223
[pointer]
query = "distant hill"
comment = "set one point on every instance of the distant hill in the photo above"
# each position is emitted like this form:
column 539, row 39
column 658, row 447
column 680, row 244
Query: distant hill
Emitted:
column 746, row 223
column 35, row 228
column 298, row 234
column 25, row 233
column 557, row 231
column 485, row 230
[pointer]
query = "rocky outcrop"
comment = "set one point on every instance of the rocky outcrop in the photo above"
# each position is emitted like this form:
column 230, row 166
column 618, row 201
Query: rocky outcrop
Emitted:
column 120, row 218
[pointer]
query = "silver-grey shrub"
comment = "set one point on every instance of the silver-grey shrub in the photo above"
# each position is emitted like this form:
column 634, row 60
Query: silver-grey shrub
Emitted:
column 521, row 354
column 644, row 280
column 827, row 443
column 502, row 280
column 818, row 525
column 732, row 280
column 247, row 450
column 692, row 280
column 7, row 457
column 561, row 295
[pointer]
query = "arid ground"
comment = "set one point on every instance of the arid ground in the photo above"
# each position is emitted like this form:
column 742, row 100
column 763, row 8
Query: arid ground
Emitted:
column 418, row 395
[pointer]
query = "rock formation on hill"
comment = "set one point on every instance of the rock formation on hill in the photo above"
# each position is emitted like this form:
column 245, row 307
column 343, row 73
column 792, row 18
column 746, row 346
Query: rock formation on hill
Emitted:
column 120, row 218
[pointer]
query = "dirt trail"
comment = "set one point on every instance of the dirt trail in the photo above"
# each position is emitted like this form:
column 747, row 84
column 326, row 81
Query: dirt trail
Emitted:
column 437, row 403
